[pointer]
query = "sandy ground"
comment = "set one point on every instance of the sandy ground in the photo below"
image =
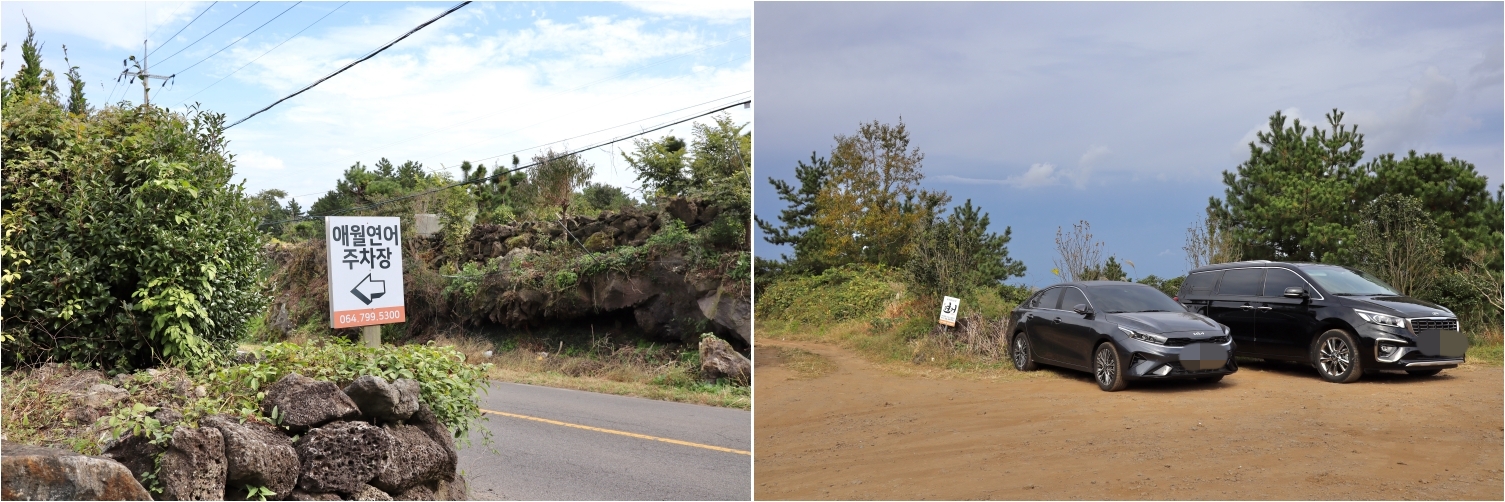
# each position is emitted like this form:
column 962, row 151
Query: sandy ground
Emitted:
column 1270, row 431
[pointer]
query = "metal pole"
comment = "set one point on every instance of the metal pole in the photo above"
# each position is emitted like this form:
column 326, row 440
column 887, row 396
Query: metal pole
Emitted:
column 372, row 336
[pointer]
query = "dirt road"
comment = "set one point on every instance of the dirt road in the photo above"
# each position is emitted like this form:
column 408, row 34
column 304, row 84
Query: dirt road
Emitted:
column 1270, row 431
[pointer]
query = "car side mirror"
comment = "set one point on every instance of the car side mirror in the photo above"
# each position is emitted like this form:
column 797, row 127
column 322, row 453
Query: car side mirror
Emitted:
column 1296, row 292
column 1082, row 308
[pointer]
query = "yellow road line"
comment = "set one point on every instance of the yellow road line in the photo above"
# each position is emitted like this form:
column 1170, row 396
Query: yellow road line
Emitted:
column 619, row 433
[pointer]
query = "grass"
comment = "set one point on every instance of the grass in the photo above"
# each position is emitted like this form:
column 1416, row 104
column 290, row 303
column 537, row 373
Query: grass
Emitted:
column 908, row 346
column 651, row 371
column 806, row 364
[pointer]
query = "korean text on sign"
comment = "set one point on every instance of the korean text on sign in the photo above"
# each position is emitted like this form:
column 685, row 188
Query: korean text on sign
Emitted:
column 365, row 245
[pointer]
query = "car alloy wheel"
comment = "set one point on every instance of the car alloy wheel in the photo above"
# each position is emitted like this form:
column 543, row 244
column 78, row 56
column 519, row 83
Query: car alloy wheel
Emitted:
column 1336, row 359
column 1107, row 370
column 1022, row 359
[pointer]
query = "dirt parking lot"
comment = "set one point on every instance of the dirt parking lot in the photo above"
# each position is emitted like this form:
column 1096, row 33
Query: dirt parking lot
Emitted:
column 1270, row 431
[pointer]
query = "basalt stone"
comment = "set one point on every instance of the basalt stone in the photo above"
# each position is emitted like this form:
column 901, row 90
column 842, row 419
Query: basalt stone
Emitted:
column 303, row 403
column 342, row 456
column 193, row 467
column 425, row 420
column 136, row 453
column 452, row 490
column 420, row 492
column 257, row 454
column 368, row 492
column 415, row 459
column 381, row 402
column 37, row 473
column 307, row 495
column 718, row 360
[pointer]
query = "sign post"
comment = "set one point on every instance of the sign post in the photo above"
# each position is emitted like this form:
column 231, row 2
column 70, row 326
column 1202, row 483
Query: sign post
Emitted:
column 365, row 273
column 949, row 306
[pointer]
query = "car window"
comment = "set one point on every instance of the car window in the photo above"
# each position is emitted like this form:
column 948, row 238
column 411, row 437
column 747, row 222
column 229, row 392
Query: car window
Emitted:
column 1129, row 297
column 1343, row 281
column 1201, row 282
column 1072, row 297
column 1241, row 282
column 1051, row 297
column 1278, row 279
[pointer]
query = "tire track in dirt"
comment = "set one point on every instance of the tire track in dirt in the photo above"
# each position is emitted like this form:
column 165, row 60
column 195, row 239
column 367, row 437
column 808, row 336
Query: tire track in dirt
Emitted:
column 1270, row 431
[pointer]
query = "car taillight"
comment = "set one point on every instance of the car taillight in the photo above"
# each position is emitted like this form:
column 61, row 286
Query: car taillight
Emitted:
column 1175, row 298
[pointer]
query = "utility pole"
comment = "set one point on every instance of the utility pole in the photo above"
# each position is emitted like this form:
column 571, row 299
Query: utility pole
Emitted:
column 144, row 75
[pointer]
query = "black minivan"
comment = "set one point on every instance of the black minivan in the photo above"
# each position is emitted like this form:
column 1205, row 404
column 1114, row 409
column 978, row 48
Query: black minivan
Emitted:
column 1341, row 320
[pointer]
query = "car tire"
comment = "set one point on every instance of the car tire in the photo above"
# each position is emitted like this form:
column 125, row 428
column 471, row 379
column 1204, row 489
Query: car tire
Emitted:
column 1336, row 357
column 1021, row 353
column 1423, row 373
column 1108, row 368
column 1210, row 379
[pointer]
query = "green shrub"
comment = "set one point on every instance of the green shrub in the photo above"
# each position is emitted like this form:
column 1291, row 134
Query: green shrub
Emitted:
column 843, row 293
column 125, row 242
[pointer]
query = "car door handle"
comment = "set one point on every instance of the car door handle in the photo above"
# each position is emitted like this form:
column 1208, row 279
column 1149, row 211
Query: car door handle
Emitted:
column 1264, row 308
column 1057, row 321
column 1247, row 307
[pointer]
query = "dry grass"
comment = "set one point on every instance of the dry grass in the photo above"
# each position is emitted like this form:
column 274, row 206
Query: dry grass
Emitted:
column 806, row 364
column 907, row 345
column 654, row 371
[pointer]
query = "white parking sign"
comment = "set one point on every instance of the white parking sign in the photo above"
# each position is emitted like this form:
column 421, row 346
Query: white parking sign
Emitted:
column 949, row 306
column 365, row 270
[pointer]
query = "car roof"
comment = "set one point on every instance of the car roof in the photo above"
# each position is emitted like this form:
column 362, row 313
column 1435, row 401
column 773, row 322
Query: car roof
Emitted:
column 1093, row 283
column 1255, row 263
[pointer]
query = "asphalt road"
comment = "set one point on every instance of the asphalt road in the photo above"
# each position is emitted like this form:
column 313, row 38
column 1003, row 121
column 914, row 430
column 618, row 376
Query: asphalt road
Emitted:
column 585, row 446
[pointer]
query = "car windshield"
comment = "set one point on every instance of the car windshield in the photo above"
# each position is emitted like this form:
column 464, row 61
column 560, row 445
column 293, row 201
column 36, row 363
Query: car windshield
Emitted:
column 1130, row 297
column 1348, row 282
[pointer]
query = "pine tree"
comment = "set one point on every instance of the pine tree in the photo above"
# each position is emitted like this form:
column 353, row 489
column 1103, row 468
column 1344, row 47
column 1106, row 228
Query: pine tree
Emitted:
column 798, row 227
column 1452, row 192
column 1292, row 199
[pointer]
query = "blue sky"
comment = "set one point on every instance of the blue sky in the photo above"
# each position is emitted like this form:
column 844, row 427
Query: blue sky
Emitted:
column 491, row 79
column 1121, row 114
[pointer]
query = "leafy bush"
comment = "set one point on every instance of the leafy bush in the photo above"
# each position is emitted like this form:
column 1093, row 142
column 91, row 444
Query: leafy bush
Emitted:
column 843, row 293
column 125, row 242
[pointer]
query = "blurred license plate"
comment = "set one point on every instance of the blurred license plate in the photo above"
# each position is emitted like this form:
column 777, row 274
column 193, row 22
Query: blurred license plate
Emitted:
column 1444, row 343
column 1203, row 356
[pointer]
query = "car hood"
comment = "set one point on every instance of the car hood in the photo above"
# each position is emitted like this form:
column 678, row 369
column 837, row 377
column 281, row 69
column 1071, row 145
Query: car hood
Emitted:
column 1403, row 305
column 1166, row 322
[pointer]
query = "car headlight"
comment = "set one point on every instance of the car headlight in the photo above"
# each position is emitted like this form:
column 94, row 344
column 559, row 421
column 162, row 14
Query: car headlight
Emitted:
column 1225, row 327
column 1381, row 319
column 1143, row 337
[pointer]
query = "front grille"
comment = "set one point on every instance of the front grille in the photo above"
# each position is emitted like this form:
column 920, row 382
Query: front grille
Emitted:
column 1182, row 342
column 1420, row 325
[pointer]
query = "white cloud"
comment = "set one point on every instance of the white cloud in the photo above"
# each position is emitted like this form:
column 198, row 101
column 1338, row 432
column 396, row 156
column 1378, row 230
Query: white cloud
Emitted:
column 255, row 159
column 116, row 24
column 1038, row 175
column 448, row 98
column 1093, row 155
column 720, row 11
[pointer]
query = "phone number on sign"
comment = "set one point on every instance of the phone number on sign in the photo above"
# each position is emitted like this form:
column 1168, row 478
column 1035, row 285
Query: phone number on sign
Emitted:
column 368, row 317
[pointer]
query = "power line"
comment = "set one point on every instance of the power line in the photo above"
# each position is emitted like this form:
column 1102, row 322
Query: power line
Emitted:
column 206, row 35
column 358, row 61
column 242, row 37
column 269, row 51
column 612, row 127
column 180, row 30
column 499, row 174
column 556, row 116
column 467, row 120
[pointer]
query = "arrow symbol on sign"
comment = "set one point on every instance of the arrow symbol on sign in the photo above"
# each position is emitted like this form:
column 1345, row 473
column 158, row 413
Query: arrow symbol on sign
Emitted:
column 372, row 292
